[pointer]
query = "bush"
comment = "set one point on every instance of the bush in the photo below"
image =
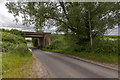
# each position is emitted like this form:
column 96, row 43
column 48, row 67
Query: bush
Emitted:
column 8, row 46
column 69, row 43
column 12, row 38
column 106, row 46
column 14, row 43
column 56, row 44
column 14, row 31
column 22, row 49
column 35, row 42
column 18, row 58
column 28, row 40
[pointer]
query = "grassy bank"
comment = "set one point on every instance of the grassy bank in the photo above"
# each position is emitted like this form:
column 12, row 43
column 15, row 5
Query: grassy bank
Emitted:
column 17, row 66
column 95, row 57
column 16, row 58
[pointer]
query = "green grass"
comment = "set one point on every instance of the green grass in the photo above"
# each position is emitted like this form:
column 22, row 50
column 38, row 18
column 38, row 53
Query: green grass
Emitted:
column 0, row 65
column 16, row 66
column 111, row 58
column 17, row 63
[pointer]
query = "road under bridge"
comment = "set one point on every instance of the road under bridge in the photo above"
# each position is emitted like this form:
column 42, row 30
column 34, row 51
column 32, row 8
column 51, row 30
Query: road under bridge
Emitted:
column 43, row 38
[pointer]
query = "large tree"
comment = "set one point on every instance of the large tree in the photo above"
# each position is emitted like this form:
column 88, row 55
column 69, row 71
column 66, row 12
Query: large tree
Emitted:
column 85, row 20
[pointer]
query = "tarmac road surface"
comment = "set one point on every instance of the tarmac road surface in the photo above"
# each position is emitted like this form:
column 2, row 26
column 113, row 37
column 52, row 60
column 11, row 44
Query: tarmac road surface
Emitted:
column 62, row 66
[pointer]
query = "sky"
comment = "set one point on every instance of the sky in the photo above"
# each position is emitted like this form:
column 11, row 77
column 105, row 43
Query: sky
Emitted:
column 7, row 22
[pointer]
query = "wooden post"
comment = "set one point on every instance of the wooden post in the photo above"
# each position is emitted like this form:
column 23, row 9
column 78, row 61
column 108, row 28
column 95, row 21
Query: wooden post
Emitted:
column 4, row 54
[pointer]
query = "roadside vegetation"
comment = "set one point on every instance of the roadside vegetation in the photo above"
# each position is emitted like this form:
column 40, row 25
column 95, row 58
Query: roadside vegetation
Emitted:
column 16, row 58
column 29, row 42
column 83, row 25
column 103, row 50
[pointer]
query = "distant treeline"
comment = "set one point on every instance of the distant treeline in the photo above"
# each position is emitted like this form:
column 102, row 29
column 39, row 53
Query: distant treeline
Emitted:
column 13, row 31
column 112, row 36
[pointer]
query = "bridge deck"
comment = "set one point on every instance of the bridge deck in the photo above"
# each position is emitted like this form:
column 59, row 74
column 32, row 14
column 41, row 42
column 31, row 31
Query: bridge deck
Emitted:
column 35, row 34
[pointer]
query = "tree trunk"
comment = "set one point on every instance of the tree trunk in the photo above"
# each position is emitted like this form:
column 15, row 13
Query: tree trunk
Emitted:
column 91, row 42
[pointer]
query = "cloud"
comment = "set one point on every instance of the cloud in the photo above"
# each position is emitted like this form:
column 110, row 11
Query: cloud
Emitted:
column 7, row 20
column 115, row 31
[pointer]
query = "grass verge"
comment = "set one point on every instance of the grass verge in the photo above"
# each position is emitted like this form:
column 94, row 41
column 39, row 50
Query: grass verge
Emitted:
column 106, row 58
column 17, row 66
column 17, row 60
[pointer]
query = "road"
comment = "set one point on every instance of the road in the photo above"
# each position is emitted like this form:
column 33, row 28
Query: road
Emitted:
column 62, row 66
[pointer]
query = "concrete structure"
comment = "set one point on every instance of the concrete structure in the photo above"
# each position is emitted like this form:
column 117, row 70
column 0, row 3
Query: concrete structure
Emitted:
column 43, row 38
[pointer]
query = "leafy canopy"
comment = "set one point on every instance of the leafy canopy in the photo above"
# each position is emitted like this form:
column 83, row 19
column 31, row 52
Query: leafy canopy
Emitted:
column 70, row 17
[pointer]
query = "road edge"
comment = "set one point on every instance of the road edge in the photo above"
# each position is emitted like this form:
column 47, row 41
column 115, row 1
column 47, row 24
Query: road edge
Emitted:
column 45, row 70
column 87, row 60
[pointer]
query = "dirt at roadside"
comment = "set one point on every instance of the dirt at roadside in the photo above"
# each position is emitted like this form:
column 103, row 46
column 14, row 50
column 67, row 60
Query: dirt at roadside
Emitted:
column 39, row 69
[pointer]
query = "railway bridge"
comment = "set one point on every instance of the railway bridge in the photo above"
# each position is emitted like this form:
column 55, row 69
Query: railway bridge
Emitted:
column 43, row 38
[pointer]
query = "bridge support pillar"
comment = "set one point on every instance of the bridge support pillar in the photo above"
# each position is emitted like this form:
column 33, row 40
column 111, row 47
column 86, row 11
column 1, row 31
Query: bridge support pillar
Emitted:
column 41, row 42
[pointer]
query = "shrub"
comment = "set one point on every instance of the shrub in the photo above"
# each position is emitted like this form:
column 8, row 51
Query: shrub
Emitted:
column 14, row 31
column 106, row 46
column 35, row 42
column 56, row 44
column 22, row 49
column 8, row 46
column 12, row 38
column 69, row 43
column 14, row 43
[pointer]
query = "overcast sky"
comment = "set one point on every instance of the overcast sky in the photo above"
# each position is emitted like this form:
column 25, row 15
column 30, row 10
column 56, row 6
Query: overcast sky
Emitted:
column 6, row 22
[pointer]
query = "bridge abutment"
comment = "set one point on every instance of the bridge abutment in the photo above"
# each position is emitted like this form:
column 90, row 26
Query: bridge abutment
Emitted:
column 41, row 42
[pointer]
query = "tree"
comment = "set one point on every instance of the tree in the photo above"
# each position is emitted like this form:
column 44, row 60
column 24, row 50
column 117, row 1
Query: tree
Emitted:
column 82, row 20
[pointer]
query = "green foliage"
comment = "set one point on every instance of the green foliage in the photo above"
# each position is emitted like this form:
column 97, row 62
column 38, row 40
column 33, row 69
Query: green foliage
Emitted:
column 96, row 57
column 12, row 38
column 100, row 46
column 40, row 30
column 35, row 42
column 13, row 31
column 13, row 42
column 16, row 66
column 111, row 58
column 77, row 20
column 22, row 49
column 8, row 46
column 106, row 46
column 111, row 36
column 56, row 44
column 18, row 58
column 71, row 17
column 28, row 40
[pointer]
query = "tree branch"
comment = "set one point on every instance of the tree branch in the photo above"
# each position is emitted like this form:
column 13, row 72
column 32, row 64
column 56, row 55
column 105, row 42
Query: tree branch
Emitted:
column 48, row 17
